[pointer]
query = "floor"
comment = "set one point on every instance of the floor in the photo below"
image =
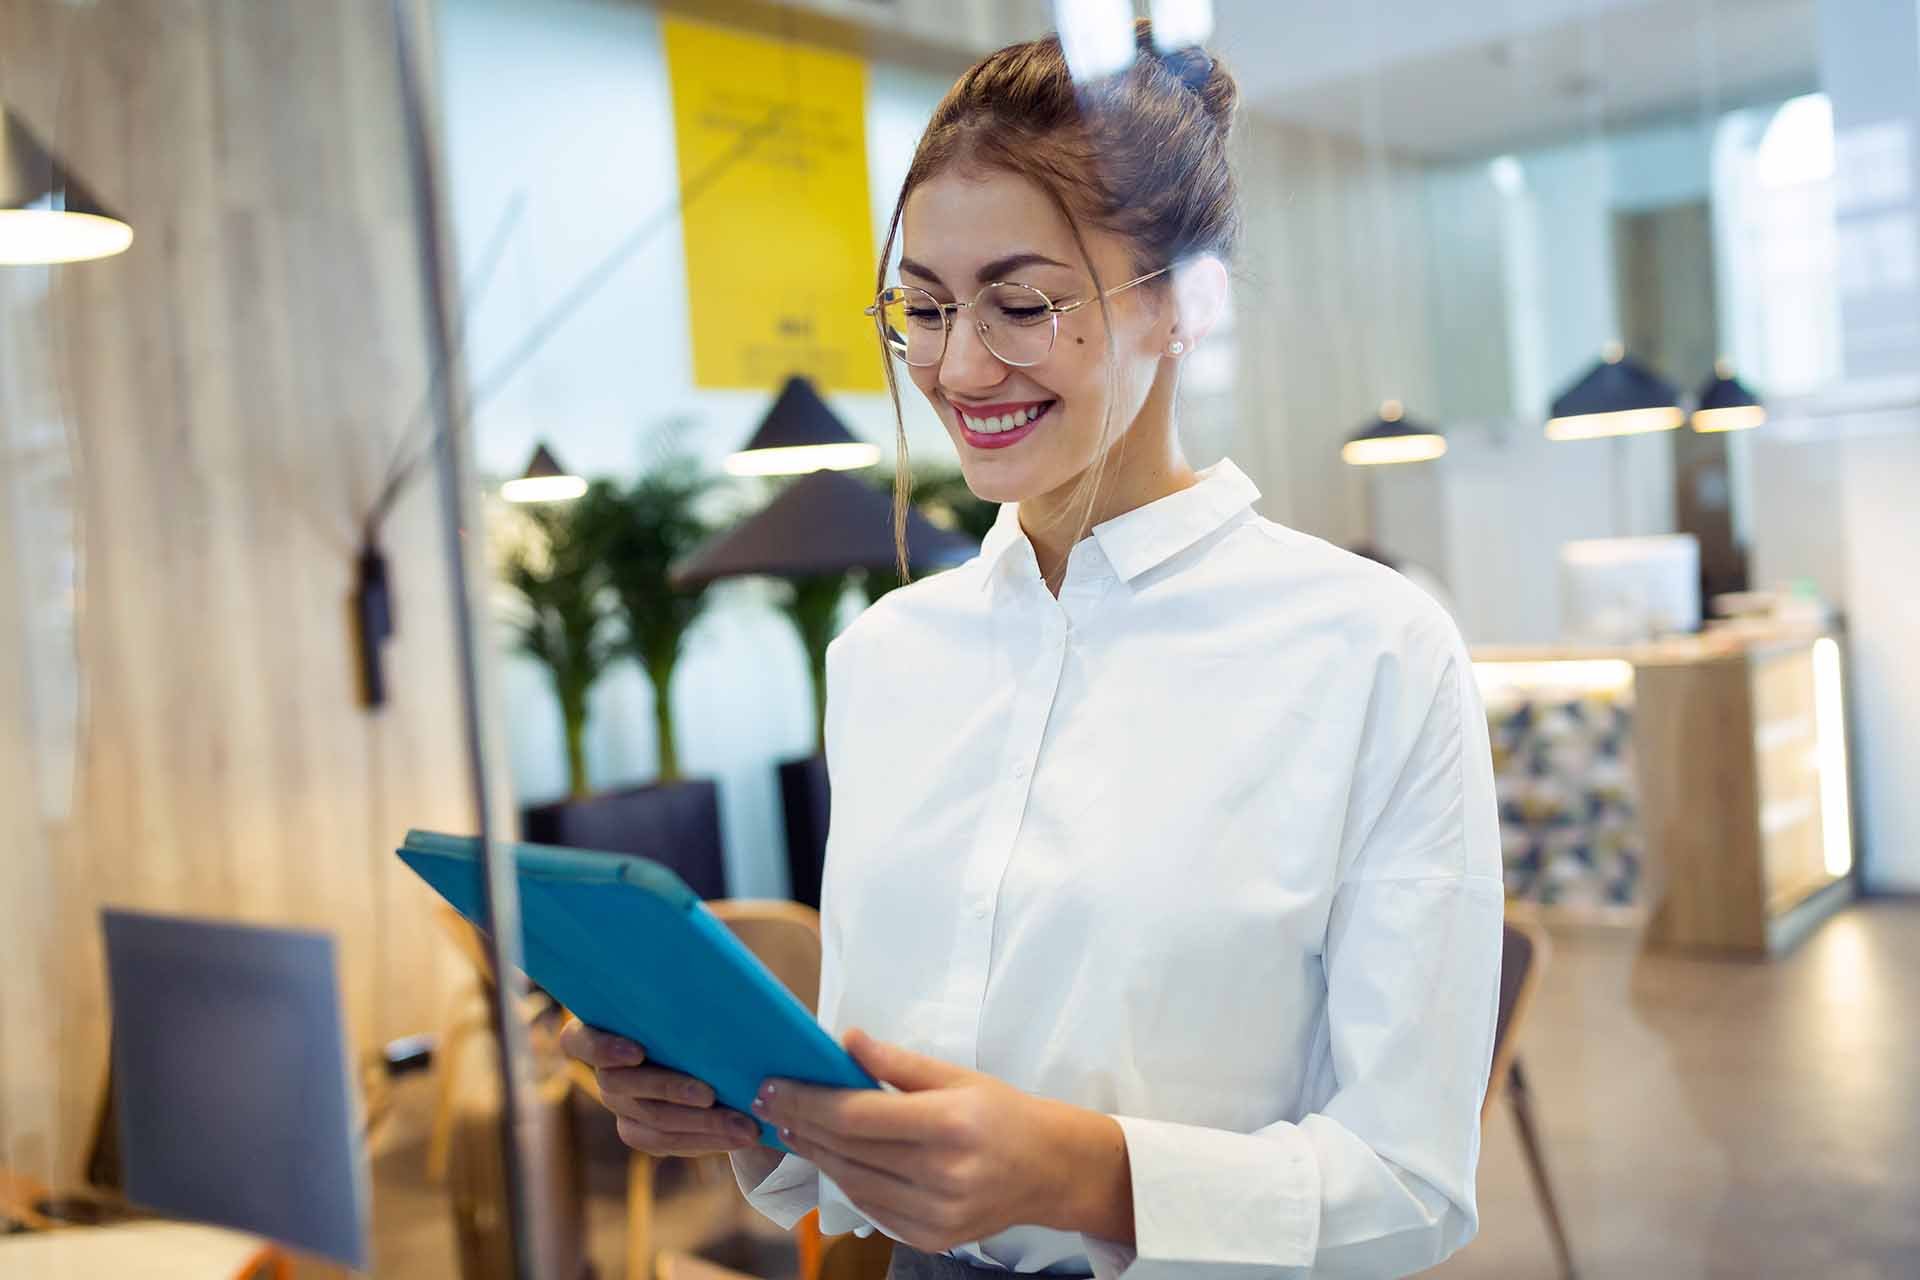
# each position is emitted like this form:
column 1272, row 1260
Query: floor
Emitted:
column 1720, row 1119
column 1701, row 1119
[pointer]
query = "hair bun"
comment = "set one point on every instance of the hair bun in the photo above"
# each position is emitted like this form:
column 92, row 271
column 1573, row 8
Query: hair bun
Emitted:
column 1191, row 66
column 1198, row 70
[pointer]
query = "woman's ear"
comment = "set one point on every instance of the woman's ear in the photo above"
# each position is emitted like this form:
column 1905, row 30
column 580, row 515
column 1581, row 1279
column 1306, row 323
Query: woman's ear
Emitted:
column 1199, row 297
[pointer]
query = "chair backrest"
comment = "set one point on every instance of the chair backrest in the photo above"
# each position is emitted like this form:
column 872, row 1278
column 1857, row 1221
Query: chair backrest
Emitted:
column 786, row 937
column 1523, row 957
column 231, row 1080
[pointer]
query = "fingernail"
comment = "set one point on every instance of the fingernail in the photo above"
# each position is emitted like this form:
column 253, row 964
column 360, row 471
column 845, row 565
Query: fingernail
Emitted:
column 785, row 1134
column 767, row 1089
column 760, row 1106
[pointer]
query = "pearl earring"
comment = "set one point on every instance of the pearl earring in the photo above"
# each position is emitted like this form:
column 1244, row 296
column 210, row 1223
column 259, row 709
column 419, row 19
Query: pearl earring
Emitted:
column 1176, row 347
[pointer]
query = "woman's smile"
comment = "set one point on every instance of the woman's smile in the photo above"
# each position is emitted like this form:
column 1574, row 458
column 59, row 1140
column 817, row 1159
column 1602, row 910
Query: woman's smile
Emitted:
column 996, row 426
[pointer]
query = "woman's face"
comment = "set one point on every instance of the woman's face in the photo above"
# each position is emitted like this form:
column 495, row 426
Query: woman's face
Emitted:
column 960, row 231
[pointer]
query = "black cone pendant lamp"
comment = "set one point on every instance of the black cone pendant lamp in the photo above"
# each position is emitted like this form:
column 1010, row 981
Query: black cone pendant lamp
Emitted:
column 1618, row 397
column 801, row 434
column 1727, row 404
column 545, row 480
column 1392, row 437
column 46, row 214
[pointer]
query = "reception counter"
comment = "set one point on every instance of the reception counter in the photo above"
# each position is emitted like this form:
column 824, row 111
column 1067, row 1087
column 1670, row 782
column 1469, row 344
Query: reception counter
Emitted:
column 1696, row 787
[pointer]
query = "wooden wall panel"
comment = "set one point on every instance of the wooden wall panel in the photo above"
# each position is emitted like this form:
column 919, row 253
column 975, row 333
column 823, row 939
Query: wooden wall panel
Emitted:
column 228, row 392
column 1325, row 270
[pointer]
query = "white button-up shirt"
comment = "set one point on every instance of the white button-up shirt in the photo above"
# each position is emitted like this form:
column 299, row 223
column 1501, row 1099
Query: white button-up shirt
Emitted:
column 1207, row 844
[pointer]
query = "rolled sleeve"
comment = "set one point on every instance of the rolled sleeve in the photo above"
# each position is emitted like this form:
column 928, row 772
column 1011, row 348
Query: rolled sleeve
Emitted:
column 787, row 1194
column 1379, row 1180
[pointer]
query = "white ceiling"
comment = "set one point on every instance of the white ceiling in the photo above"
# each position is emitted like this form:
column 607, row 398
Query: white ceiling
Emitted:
column 1476, row 77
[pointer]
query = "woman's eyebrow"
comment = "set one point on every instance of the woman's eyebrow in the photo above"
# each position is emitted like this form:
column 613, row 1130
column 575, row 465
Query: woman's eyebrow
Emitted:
column 911, row 268
column 999, row 267
column 992, row 271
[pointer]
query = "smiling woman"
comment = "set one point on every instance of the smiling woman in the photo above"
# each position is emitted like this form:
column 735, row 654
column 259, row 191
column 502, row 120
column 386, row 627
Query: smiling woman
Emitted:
column 1038, row 193
column 1163, row 876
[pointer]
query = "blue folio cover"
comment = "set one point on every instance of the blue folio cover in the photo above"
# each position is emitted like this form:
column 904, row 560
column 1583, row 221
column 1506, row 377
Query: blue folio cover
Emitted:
column 625, row 945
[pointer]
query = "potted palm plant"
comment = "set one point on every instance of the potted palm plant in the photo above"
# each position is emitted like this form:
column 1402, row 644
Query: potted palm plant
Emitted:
column 605, row 595
column 660, row 523
column 557, row 572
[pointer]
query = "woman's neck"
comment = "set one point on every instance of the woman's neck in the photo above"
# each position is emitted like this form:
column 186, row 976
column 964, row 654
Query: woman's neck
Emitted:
column 1145, row 465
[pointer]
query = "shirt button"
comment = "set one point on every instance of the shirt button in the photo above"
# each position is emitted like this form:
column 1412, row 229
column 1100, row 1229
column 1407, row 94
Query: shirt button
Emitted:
column 1020, row 770
column 979, row 911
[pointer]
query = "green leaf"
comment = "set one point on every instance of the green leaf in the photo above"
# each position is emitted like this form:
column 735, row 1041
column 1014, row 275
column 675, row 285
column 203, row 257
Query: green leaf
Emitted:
column 563, row 614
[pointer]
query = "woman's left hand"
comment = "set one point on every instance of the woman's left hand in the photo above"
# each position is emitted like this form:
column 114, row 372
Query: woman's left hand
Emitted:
column 956, row 1156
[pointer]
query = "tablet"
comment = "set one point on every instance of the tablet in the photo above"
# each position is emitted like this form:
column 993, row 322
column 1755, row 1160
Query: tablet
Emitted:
column 625, row 945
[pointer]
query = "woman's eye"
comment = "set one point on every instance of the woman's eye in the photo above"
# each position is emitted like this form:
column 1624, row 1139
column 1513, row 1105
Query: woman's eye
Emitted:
column 924, row 315
column 1024, row 315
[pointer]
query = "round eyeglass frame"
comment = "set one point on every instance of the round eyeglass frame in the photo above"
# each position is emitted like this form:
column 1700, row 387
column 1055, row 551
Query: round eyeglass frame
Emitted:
column 946, row 309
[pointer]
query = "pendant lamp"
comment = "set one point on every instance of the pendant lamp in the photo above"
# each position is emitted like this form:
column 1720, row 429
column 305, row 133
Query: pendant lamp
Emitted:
column 545, row 480
column 800, row 434
column 1727, row 404
column 46, row 214
column 1618, row 397
column 1392, row 437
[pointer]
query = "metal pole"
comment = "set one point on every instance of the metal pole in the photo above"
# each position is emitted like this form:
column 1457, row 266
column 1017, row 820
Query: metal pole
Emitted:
column 517, row 1116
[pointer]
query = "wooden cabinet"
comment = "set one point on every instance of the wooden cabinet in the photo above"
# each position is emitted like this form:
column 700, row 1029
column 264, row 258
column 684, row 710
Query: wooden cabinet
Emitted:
column 1743, row 794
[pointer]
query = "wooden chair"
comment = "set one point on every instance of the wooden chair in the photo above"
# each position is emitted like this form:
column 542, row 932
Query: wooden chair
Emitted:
column 786, row 938
column 470, row 1015
column 477, row 1181
column 1523, row 959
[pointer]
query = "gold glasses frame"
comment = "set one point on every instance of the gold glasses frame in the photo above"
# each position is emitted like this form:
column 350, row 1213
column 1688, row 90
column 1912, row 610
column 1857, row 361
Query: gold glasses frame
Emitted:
column 947, row 309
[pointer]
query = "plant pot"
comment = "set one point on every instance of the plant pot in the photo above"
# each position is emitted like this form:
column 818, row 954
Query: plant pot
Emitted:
column 805, row 801
column 677, row 824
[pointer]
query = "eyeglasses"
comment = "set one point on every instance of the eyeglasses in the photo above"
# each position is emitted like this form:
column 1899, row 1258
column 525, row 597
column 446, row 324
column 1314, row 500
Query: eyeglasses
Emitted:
column 1016, row 322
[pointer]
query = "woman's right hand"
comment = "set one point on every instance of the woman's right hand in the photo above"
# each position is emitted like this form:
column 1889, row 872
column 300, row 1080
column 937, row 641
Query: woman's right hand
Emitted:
column 661, row 1112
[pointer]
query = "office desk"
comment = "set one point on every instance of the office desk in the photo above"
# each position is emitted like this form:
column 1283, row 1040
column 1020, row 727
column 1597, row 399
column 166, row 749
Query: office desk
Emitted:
column 1697, row 787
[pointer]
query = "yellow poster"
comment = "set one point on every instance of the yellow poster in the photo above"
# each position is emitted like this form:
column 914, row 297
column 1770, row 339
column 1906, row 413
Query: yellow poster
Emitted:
column 772, row 145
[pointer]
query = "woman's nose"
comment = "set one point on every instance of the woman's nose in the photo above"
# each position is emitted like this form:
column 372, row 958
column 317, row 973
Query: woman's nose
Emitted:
column 968, row 367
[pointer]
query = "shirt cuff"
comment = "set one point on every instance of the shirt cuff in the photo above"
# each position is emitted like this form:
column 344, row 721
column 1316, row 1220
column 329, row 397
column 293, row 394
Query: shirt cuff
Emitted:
column 787, row 1194
column 1215, row 1203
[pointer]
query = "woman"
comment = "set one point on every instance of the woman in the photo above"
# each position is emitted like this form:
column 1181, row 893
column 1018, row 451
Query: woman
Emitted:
column 1163, row 864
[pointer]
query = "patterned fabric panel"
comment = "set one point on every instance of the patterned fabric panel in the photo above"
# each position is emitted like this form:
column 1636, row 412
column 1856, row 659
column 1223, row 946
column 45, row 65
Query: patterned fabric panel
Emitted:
column 1563, row 770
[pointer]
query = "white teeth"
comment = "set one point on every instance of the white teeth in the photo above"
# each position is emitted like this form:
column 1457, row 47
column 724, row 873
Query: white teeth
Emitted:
column 1005, row 421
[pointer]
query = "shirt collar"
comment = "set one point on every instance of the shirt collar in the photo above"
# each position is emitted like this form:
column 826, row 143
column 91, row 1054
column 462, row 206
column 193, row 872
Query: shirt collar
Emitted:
column 1138, row 540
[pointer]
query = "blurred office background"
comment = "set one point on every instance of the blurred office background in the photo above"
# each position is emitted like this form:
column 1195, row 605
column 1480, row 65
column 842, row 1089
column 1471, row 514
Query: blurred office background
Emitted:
column 1511, row 272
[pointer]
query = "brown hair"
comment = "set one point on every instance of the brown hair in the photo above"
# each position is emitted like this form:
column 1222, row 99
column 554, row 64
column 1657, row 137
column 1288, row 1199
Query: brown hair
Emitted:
column 1142, row 153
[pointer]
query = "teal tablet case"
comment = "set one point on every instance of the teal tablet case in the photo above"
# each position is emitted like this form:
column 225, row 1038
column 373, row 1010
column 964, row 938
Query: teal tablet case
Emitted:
column 624, row 944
